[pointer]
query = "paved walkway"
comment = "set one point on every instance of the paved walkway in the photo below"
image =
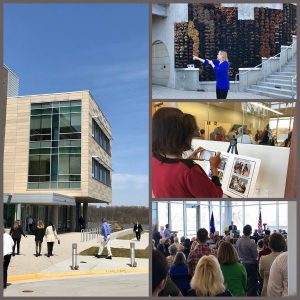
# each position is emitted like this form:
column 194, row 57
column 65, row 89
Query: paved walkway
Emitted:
column 97, row 286
column 95, row 277
column 27, row 263
column 165, row 93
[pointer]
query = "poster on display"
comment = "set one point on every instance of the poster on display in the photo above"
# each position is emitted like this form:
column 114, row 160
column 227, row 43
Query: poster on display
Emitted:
column 238, row 174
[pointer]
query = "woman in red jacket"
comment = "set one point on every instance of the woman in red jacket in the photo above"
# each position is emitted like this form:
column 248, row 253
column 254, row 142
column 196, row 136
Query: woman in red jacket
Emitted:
column 173, row 176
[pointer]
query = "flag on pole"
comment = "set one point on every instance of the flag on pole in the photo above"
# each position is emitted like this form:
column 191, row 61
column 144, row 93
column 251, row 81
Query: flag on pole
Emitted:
column 212, row 223
column 259, row 226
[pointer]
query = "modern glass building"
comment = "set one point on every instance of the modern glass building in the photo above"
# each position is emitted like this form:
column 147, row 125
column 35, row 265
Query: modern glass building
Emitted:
column 57, row 158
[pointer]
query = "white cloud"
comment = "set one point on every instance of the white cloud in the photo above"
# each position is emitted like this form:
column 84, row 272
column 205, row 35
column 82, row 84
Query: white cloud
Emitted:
column 131, row 181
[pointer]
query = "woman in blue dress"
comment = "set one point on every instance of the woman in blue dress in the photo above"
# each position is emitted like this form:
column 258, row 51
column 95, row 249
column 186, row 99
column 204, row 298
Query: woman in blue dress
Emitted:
column 221, row 70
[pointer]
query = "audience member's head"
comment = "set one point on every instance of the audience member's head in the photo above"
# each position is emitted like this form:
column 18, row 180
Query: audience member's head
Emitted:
column 202, row 235
column 176, row 240
column 247, row 230
column 182, row 239
column 267, row 232
column 277, row 242
column 227, row 254
column 162, row 241
column 187, row 243
column 260, row 244
column 159, row 272
column 172, row 131
column 173, row 250
column 266, row 241
column 167, row 226
column 208, row 279
column 180, row 259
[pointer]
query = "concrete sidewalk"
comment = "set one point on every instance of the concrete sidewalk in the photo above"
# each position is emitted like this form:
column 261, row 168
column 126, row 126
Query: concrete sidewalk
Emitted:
column 165, row 93
column 27, row 263
column 133, row 285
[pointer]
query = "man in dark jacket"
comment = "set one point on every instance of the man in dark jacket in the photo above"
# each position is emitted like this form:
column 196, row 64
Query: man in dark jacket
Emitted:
column 137, row 228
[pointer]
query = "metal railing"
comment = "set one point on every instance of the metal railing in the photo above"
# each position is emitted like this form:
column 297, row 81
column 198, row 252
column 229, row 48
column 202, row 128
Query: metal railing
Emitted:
column 294, row 94
column 89, row 234
column 261, row 65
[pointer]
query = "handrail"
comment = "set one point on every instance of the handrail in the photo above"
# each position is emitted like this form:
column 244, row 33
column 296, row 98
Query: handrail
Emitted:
column 266, row 61
column 89, row 234
column 292, row 90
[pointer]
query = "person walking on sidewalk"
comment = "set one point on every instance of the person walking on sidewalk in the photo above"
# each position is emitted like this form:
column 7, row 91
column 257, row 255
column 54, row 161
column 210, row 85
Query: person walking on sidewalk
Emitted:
column 137, row 228
column 16, row 233
column 51, row 236
column 39, row 236
column 105, row 232
column 8, row 244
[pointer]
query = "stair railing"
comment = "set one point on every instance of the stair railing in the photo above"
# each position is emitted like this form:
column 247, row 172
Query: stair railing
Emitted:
column 260, row 66
column 294, row 79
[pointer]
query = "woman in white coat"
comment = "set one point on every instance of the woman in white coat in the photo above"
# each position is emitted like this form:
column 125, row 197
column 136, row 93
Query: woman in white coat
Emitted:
column 51, row 237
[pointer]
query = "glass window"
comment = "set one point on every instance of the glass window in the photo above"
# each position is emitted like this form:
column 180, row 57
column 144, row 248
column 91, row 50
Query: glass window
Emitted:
column 75, row 122
column 100, row 137
column 75, row 164
column 163, row 214
column 177, row 218
column 46, row 125
column 101, row 173
column 204, row 214
column 64, row 121
column 252, row 214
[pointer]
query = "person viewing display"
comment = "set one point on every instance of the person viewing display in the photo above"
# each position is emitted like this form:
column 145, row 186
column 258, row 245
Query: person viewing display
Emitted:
column 173, row 176
column 221, row 70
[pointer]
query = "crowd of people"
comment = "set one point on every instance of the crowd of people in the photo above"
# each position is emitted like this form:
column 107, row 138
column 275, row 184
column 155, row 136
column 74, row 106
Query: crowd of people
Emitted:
column 245, row 136
column 254, row 264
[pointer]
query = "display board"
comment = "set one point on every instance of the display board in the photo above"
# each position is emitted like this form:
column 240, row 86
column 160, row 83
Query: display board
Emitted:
column 238, row 174
column 212, row 27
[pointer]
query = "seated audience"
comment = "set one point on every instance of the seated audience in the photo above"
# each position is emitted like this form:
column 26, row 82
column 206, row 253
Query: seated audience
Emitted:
column 235, row 275
column 179, row 273
column 247, row 253
column 208, row 279
column 200, row 249
column 277, row 245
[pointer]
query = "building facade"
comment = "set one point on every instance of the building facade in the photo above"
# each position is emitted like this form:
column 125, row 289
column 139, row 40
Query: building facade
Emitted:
column 57, row 158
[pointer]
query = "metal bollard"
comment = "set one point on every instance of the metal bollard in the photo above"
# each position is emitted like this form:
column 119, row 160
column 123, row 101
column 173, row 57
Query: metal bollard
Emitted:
column 132, row 255
column 74, row 257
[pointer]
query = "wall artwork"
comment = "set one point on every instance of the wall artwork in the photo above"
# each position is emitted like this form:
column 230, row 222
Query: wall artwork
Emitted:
column 237, row 174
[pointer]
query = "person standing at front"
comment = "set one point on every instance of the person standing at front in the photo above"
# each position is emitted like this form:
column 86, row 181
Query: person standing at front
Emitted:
column 51, row 237
column 105, row 232
column 221, row 69
column 8, row 245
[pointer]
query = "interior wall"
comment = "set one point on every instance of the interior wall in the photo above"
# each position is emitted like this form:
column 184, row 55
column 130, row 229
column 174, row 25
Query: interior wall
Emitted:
column 204, row 112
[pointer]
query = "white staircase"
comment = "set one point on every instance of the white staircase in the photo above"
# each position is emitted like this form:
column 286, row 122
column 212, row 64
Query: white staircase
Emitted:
column 281, row 84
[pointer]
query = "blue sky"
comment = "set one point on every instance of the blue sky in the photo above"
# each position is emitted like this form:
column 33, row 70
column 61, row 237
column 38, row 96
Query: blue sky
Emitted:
column 98, row 47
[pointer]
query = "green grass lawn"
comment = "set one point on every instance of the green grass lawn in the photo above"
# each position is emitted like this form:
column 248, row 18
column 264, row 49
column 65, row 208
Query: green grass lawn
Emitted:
column 117, row 252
